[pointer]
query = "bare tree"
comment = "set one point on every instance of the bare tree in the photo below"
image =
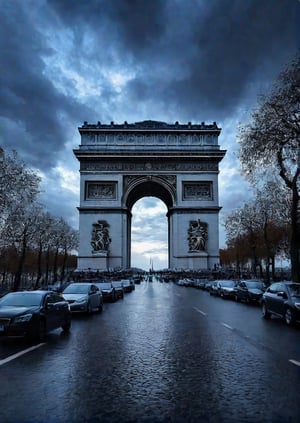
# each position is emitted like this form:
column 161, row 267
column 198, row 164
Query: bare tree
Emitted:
column 259, row 228
column 24, row 225
column 19, row 185
column 242, row 227
column 272, row 140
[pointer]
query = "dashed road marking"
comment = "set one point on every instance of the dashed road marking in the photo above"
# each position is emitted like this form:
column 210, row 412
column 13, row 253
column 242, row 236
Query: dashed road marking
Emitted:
column 14, row 356
column 227, row 326
column 200, row 311
column 297, row 363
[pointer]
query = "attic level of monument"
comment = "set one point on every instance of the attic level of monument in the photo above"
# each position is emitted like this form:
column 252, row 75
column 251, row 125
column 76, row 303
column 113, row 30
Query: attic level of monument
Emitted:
column 149, row 136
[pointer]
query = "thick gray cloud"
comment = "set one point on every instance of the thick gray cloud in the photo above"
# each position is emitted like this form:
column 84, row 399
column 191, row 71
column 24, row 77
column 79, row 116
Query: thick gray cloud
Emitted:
column 32, row 110
column 202, row 57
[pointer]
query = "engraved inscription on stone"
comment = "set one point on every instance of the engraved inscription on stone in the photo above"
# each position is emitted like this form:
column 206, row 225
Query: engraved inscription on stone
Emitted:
column 101, row 190
column 197, row 236
column 197, row 191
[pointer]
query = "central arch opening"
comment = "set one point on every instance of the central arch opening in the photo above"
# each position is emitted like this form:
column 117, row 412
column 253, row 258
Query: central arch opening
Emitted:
column 149, row 234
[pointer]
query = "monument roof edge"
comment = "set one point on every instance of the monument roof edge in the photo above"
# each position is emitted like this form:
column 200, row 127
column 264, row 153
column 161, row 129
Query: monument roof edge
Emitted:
column 149, row 125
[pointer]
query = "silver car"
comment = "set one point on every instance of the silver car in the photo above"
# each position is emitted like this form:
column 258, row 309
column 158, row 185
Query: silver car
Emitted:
column 83, row 297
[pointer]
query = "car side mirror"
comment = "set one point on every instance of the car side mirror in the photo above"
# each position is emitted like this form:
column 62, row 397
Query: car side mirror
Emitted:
column 282, row 294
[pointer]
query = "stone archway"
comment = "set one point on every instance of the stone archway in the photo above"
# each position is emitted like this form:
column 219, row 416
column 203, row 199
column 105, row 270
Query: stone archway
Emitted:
column 177, row 163
column 140, row 187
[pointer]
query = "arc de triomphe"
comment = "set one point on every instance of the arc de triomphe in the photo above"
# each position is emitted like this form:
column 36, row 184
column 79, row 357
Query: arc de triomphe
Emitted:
column 122, row 163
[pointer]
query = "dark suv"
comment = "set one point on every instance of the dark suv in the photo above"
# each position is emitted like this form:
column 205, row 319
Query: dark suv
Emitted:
column 282, row 299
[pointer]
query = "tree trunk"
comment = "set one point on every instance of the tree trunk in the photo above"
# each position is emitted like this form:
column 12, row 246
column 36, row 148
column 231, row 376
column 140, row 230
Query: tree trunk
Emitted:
column 295, row 236
column 39, row 273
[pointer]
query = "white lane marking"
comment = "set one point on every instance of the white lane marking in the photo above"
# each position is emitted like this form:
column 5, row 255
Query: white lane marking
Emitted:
column 200, row 311
column 14, row 356
column 226, row 326
column 297, row 363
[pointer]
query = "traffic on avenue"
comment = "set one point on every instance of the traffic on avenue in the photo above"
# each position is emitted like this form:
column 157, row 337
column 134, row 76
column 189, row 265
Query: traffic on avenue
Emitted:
column 152, row 351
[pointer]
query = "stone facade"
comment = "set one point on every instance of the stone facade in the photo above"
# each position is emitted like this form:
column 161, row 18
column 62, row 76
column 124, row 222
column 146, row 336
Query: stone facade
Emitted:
column 121, row 163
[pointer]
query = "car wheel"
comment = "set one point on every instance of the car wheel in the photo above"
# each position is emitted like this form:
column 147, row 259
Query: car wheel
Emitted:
column 89, row 309
column 41, row 334
column 288, row 316
column 265, row 313
column 237, row 299
column 66, row 326
column 222, row 295
column 100, row 307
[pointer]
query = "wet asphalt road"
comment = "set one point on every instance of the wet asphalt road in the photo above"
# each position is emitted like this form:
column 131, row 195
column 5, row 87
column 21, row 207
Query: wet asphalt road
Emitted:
column 163, row 354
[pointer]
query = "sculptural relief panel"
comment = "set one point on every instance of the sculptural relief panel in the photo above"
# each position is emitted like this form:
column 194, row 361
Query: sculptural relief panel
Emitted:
column 197, row 236
column 101, row 191
column 100, row 239
column 201, row 191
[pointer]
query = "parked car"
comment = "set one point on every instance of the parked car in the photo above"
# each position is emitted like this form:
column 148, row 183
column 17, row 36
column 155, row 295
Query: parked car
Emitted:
column 3, row 291
column 214, row 288
column 128, row 285
column 207, row 285
column 250, row 291
column 119, row 289
column 83, row 297
column 226, row 289
column 108, row 291
column 32, row 314
column 282, row 299
column 200, row 283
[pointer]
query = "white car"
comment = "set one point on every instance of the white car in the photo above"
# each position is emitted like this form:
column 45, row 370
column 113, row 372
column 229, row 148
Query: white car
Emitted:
column 83, row 297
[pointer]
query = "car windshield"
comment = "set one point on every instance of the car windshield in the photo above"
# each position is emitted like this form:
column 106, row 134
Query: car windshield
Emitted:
column 294, row 290
column 227, row 284
column 254, row 285
column 76, row 289
column 104, row 285
column 21, row 299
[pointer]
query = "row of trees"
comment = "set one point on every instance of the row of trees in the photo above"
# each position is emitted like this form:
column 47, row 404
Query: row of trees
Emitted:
column 269, row 224
column 32, row 241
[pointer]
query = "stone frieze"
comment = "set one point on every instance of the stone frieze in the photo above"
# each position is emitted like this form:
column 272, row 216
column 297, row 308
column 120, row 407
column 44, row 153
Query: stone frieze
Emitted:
column 147, row 166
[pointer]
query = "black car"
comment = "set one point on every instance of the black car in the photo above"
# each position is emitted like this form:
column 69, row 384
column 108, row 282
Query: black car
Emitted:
column 250, row 291
column 32, row 314
column 108, row 291
column 282, row 299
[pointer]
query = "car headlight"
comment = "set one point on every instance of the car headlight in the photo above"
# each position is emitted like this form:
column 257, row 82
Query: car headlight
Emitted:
column 297, row 305
column 24, row 318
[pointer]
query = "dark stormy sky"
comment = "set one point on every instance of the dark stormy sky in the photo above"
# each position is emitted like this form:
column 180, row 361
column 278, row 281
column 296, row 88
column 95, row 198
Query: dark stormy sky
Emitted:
column 67, row 61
